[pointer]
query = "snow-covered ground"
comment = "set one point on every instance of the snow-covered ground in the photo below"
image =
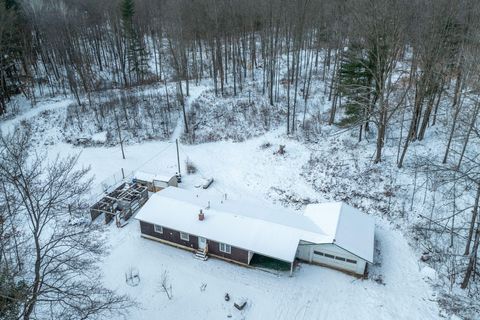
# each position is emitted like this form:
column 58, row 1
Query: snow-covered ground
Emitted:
column 398, row 287
column 312, row 293
column 26, row 111
column 244, row 170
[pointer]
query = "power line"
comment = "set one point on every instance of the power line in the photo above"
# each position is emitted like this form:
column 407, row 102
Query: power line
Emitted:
column 105, row 181
column 222, row 192
column 154, row 156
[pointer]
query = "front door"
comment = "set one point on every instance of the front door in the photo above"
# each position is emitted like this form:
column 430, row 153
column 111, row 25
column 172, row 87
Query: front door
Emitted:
column 202, row 243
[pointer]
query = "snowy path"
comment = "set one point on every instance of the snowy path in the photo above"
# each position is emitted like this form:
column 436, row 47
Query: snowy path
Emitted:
column 9, row 125
column 195, row 92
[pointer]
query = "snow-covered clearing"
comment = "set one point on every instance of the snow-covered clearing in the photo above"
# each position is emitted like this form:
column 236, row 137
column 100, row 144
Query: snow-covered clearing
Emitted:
column 335, row 167
column 245, row 170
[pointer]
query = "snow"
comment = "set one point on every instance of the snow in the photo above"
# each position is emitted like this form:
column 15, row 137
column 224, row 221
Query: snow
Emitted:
column 245, row 171
column 150, row 177
column 325, row 215
column 313, row 292
column 195, row 92
column 429, row 273
column 46, row 105
column 100, row 137
column 348, row 227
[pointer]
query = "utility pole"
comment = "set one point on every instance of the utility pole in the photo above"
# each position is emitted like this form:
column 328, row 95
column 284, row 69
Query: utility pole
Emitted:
column 119, row 133
column 178, row 158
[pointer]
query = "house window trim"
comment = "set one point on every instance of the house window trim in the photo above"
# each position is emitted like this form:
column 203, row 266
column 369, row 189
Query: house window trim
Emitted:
column 156, row 230
column 184, row 236
column 227, row 248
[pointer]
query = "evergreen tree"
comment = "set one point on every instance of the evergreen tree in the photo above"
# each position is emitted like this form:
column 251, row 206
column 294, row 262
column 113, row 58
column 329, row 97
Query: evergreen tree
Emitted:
column 136, row 54
column 355, row 84
column 10, row 49
column 127, row 8
column 11, row 5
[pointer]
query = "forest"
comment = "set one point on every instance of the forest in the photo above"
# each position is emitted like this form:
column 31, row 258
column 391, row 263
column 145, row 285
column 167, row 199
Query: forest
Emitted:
column 397, row 75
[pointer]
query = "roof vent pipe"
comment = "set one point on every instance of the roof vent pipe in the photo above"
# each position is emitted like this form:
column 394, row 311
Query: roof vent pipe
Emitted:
column 208, row 206
column 201, row 216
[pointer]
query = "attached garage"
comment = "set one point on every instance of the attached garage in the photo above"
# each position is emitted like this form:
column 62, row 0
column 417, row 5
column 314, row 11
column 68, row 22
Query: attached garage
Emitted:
column 351, row 233
column 331, row 256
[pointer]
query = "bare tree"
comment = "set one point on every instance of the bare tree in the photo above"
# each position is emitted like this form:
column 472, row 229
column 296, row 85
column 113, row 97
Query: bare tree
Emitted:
column 165, row 284
column 59, row 271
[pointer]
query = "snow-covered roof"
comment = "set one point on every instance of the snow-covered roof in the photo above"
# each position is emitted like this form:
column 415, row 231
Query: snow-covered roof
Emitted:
column 274, row 232
column 150, row 177
column 349, row 228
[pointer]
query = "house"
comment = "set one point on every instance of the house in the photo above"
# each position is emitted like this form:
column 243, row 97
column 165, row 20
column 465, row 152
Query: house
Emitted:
column 333, row 234
column 155, row 182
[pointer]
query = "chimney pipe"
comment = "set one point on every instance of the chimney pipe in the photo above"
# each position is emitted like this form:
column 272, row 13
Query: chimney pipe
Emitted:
column 201, row 216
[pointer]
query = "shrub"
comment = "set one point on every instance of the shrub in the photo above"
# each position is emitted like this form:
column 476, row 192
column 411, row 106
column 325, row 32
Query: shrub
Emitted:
column 191, row 168
column 265, row 145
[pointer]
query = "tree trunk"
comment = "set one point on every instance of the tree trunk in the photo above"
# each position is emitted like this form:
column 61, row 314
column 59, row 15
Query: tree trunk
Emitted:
column 456, row 106
column 472, row 261
column 382, row 127
column 470, row 128
column 472, row 222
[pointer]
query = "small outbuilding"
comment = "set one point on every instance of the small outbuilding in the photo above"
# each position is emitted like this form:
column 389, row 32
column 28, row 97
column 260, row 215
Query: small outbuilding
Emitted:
column 120, row 204
column 332, row 234
column 155, row 182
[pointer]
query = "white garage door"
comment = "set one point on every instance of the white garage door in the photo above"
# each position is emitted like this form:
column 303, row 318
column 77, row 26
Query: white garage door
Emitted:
column 333, row 260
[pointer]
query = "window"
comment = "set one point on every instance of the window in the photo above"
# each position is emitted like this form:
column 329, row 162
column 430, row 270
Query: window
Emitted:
column 333, row 257
column 225, row 248
column 184, row 236
column 157, row 228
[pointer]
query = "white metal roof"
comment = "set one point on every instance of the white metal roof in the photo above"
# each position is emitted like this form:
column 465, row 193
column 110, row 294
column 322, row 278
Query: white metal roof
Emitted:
column 349, row 228
column 150, row 177
column 274, row 232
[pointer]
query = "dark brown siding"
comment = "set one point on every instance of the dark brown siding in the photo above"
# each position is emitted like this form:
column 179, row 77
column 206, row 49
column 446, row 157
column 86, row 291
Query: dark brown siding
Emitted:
column 237, row 254
column 168, row 235
column 171, row 235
